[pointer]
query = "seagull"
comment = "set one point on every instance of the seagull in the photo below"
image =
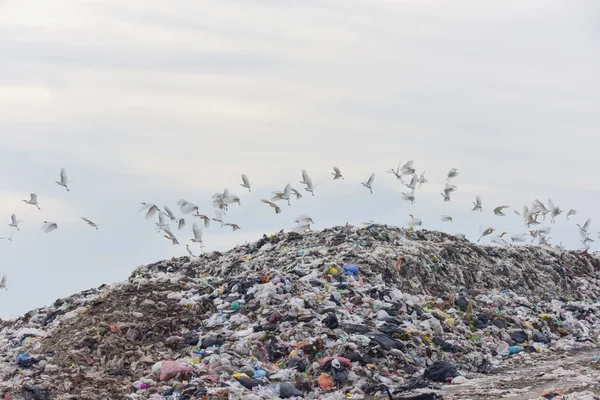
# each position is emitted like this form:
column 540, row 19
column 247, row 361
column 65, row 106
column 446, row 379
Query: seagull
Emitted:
column 33, row 200
column 395, row 171
column 498, row 239
column 186, row 207
column 407, row 169
column 309, row 185
column 152, row 209
column 447, row 218
column 450, row 188
column 486, row 232
column 63, row 179
column 14, row 222
column 337, row 174
column 414, row 221
column 571, row 212
column 554, row 210
column 369, row 183
column 170, row 213
column 413, row 183
column 453, row 173
column 408, row 197
column 585, row 238
column 90, row 223
column 246, row 182
column 584, row 228
column 301, row 228
column 304, row 218
column 232, row 199
column 187, row 246
column 477, row 204
column 234, row 226
column 446, row 197
column 204, row 217
column 197, row 230
column 518, row 238
column 49, row 226
column 422, row 180
column 180, row 224
column 305, row 177
column 542, row 208
column 161, row 224
column 275, row 206
column 498, row 211
column 8, row 238
column 3, row 282
column 285, row 195
column 297, row 193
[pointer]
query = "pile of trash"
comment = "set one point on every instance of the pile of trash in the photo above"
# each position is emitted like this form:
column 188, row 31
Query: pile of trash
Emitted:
column 343, row 313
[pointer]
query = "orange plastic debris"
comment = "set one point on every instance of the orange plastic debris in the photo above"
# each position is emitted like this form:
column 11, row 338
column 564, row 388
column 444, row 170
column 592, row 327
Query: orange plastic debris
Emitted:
column 325, row 382
column 114, row 328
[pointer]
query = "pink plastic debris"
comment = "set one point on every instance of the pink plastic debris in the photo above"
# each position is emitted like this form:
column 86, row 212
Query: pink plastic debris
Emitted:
column 171, row 368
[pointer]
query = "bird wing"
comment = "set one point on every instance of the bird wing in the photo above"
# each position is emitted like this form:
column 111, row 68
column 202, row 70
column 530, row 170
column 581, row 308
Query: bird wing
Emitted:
column 3, row 281
column 197, row 230
column 587, row 224
column 50, row 227
column 188, row 208
column 181, row 224
column 63, row 176
column 33, row 197
column 86, row 220
column 287, row 190
column 304, row 175
column 413, row 181
column 151, row 211
column 169, row 212
column 551, row 204
column 245, row 180
column 478, row 200
column 266, row 201
column 337, row 171
column 13, row 218
column 309, row 183
column 371, row 179
column 277, row 209
column 225, row 193
column 161, row 219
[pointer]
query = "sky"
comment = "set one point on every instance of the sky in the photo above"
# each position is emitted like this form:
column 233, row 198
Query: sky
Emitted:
column 154, row 101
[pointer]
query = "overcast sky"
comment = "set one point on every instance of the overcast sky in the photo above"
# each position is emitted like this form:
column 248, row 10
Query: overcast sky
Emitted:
column 155, row 101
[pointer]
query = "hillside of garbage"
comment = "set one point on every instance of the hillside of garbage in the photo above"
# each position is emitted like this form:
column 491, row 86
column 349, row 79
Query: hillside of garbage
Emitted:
column 343, row 313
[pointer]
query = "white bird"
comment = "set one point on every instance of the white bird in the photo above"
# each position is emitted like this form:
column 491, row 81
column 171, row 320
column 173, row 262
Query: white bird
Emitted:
column 571, row 212
column 14, row 222
column 203, row 217
column 231, row 199
column 301, row 228
column 414, row 221
column 180, row 224
column 170, row 213
column 395, row 171
column 477, row 204
column 447, row 218
column 275, row 206
column 309, row 186
column 285, row 195
column 518, row 238
column 407, row 169
column 554, row 210
column 584, row 228
column 408, row 197
column 161, row 224
column 297, row 193
column 8, row 238
column 337, row 174
column 3, row 282
column 498, row 239
column 246, row 182
column 450, row 188
column 90, row 223
column 63, row 179
column 453, row 173
column 305, row 177
column 422, row 180
column 33, row 200
column 585, row 238
column 186, row 207
column 197, row 230
column 234, row 226
column 304, row 218
column 49, row 226
column 487, row 231
column 498, row 210
column 152, row 209
column 369, row 183
column 541, row 207
column 413, row 183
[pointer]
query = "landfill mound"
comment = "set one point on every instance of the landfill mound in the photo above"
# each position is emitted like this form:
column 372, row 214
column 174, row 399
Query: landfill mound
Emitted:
column 344, row 313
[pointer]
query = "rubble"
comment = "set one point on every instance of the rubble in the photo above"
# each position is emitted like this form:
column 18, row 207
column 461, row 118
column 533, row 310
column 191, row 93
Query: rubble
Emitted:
column 344, row 313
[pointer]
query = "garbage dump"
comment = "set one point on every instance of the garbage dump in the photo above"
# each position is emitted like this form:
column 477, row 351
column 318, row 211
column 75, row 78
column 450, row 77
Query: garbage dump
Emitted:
column 343, row 313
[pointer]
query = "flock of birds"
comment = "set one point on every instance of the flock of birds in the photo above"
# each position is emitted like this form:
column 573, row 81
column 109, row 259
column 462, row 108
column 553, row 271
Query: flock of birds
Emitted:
column 405, row 173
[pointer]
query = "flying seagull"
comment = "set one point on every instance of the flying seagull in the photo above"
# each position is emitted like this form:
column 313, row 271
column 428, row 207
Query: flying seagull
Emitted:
column 169, row 213
column 63, row 179
column 49, row 226
column 407, row 169
column 518, row 238
column 305, row 177
column 498, row 211
column 14, row 222
column 234, row 226
column 453, row 173
column 297, row 193
column 554, row 210
column 414, row 221
column 305, row 219
column 203, row 217
column 275, row 206
column 246, row 182
column 498, row 239
column 3, row 282
column 571, row 212
column 33, row 200
column 337, row 174
column 447, row 218
column 486, row 232
column 8, row 238
column 408, row 197
column 369, row 183
column 197, row 230
column 477, row 204
column 395, row 171
column 152, row 209
column 90, row 223
column 301, row 228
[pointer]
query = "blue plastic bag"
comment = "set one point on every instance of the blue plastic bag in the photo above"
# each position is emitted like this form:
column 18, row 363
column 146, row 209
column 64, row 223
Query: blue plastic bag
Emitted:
column 350, row 269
